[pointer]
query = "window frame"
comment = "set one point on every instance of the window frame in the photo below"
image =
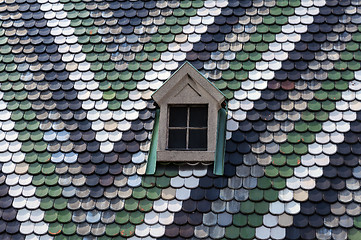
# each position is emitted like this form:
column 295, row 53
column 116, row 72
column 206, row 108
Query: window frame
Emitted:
column 188, row 128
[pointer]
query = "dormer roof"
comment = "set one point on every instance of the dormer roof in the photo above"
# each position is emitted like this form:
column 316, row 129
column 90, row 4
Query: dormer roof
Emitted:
column 189, row 84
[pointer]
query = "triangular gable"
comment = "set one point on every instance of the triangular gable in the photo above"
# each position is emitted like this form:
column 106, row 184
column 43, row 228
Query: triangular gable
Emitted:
column 188, row 91
column 185, row 83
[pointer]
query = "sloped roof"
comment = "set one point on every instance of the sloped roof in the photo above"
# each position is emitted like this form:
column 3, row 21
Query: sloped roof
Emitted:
column 77, row 116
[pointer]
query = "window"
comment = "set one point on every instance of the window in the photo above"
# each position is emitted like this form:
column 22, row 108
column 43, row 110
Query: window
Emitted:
column 187, row 127
column 187, row 121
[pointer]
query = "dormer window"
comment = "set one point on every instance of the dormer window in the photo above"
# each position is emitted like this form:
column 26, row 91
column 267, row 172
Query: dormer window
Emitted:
column 187, row 123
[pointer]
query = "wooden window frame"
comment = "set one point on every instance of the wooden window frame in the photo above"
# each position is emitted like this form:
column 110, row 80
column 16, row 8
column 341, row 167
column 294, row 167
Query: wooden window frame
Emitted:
column 188, row 106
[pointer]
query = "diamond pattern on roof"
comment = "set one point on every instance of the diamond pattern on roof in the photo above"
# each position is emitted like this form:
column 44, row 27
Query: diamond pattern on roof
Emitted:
column 76, row 79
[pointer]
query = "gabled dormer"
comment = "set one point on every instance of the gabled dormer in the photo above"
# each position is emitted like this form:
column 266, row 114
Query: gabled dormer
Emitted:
column 187, row 128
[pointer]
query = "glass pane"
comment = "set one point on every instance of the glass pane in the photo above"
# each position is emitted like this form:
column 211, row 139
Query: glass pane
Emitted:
column 177, row 116
column 198, row 116
column 198, row 139
column 177, row 139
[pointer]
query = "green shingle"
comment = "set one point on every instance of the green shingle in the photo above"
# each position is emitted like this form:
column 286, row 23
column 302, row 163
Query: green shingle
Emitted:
column 239, row 220
column 247, row 233
column 247, row 207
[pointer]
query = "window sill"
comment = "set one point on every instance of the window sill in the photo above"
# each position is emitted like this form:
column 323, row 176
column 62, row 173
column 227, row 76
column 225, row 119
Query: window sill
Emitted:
column 188, row 156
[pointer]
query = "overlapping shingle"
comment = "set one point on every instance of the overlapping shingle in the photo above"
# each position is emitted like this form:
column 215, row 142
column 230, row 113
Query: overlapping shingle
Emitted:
column 77, row 118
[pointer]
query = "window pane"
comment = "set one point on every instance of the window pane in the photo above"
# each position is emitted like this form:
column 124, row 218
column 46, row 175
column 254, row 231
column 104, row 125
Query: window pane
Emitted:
column 198, row 116
column 177, row 116
column 198, row 139
column 177, row 139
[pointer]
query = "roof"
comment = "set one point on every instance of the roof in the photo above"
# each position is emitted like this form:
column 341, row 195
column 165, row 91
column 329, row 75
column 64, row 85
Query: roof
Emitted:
column 177, row 78
column 77, row 116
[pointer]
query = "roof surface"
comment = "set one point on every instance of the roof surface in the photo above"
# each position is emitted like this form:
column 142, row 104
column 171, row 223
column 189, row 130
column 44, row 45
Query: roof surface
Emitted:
column 76, row 119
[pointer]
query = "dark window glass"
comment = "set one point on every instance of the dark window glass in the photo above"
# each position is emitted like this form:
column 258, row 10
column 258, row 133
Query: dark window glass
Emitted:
column 187, row 129
column 197, row 139
column 177, row 139
column 198, row 116
column 178, row 117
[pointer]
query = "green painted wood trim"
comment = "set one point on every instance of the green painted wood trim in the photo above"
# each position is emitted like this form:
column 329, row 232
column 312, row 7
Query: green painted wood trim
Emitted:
column 152, row 157
column 218, row 168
